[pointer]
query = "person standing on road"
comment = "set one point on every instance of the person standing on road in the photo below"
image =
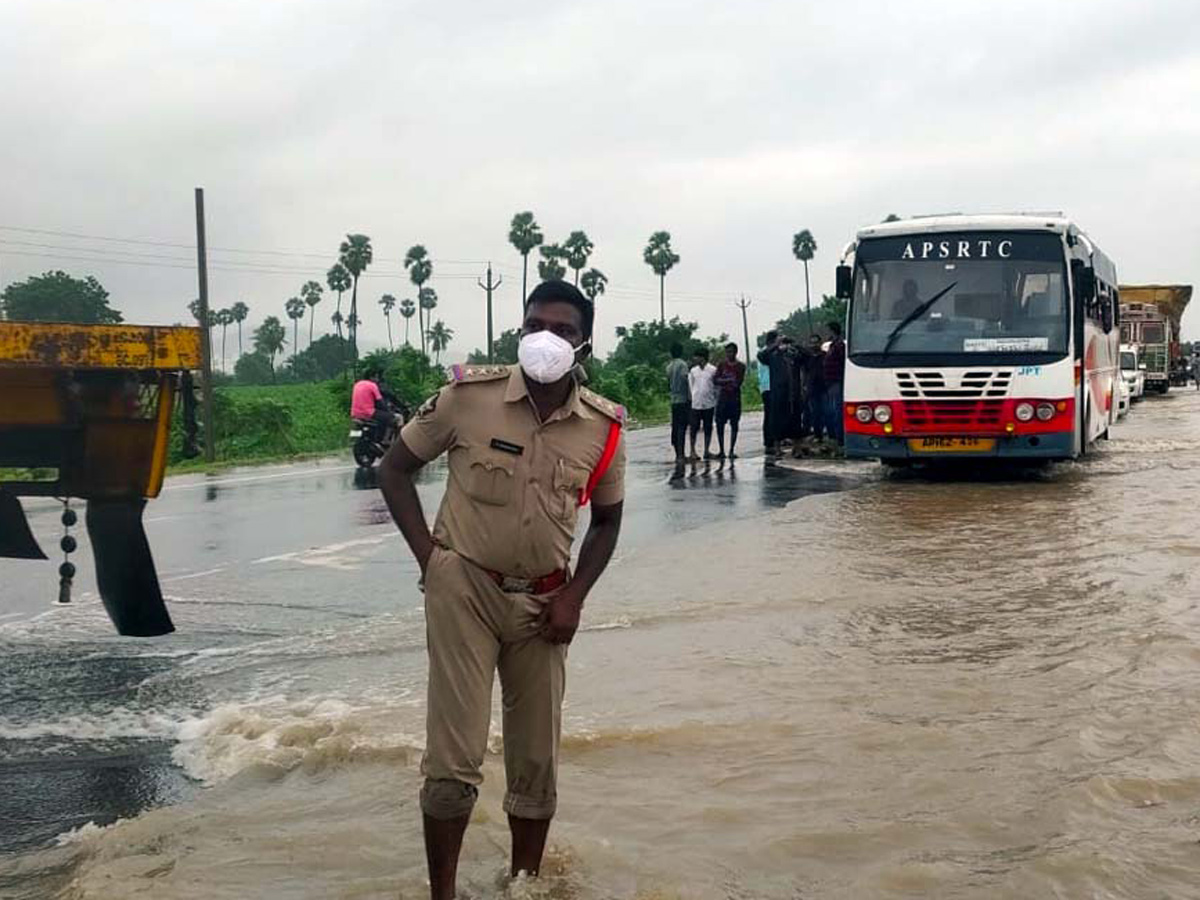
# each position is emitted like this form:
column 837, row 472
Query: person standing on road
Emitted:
column 731, row 372
column 834, row 370
column 528, row 446
column 764, row 387
column 681, row 400
column 703, row 389
column 814, row 396
column 777, row 357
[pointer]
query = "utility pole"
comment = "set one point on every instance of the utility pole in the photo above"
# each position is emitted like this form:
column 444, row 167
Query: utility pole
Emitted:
column 205, row 349
column 490, row 286
column 745, row 328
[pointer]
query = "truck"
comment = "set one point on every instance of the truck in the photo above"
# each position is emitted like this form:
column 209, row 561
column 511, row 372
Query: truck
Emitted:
column 1150, row 317
column 85, row 413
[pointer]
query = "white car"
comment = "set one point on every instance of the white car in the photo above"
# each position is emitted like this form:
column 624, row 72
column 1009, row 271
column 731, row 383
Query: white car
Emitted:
column 1124, row 398
column 1133, row 373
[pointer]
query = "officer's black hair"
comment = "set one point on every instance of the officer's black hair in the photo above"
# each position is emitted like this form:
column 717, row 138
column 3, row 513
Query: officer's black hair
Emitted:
column 676, row 350
column 836, row 328
column 564, row 292
column 731, row 346
column 771, row 335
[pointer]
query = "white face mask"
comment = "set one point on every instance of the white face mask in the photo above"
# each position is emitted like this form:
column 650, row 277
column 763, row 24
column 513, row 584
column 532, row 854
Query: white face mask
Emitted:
column 545, row 357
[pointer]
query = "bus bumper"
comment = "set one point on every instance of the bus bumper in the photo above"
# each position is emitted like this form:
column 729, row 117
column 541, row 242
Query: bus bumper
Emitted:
column 1056, row 445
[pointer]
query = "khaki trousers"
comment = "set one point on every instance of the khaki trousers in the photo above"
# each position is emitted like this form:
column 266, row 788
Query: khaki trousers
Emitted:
column 473, row 628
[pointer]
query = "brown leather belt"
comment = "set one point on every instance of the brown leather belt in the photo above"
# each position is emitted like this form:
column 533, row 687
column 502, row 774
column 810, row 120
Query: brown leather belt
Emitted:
column 543, row 585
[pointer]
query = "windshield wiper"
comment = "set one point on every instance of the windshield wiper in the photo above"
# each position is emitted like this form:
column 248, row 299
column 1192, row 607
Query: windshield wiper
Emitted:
column 916, row 314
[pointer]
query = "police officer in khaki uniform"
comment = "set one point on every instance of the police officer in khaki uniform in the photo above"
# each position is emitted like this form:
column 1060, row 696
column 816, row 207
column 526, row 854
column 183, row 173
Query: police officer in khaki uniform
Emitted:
column 527, row 447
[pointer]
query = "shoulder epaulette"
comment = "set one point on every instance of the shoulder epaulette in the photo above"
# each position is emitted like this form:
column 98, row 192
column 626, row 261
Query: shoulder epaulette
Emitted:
column 614, row 411
column 476, row 374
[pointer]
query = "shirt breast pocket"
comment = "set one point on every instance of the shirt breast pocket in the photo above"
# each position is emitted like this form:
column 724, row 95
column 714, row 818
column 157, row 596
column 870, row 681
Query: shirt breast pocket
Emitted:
column 489, row 476
column 569, row 481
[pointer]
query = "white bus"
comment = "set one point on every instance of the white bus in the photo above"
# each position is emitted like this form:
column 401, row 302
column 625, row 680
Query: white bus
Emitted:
column 978, row 337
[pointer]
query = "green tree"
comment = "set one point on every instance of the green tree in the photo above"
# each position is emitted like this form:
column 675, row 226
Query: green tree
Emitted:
column 804, row 247
column 269, row 338
column 253, row 368
column 593, row 283
column 311, row 294
column 549, row 267
column 407, row 309
column 796, row 323
column 504, row 349
column 239, row 311
column 420, row 270
column 57, row 297
column 649, row 343
column 339, row 281
column 224, row 319
column 324, row 358
column 439, row 339
column 295, row 311
column 428, row 303
column 577, row 249
column 194, row 309
column 337, row 319
column 659, row 256
column 524, row 234
column 355, row 254
column 388, row 303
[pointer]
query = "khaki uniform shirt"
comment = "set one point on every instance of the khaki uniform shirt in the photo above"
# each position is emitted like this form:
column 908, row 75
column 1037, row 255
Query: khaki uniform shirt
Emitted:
column 512, row 498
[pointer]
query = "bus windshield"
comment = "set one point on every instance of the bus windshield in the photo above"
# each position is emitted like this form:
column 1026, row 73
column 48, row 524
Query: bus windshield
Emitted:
column 959, row 294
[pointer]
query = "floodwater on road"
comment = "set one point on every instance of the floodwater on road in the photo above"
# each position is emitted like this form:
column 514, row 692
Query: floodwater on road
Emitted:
column 823, row 683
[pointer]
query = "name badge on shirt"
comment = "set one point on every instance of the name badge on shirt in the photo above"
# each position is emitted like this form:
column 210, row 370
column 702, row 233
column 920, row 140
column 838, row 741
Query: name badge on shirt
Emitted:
column 507, row 447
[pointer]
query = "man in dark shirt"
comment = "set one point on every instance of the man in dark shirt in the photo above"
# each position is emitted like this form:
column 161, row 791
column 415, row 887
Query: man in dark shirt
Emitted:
column 814, row 370
column 777, row 357
column 731, row 372
column 834, row 370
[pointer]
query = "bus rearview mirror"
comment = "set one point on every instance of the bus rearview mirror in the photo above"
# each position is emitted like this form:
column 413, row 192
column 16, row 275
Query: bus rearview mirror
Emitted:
column 845, row 282
column 1085, row 282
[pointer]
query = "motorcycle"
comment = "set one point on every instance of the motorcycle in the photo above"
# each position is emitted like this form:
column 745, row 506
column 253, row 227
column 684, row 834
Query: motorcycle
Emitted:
column 371, row 438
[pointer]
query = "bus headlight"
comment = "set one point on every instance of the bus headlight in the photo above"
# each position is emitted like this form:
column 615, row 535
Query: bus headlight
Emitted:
column 863, row 414
column 883, row 414
column 1024, row 412
column 1045, row 412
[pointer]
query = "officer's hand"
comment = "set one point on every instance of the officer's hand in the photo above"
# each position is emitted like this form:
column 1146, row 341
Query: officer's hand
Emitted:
column 559, row 618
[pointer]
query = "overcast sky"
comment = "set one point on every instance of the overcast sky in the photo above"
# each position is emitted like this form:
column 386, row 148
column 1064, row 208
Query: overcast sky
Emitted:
column 730, row 125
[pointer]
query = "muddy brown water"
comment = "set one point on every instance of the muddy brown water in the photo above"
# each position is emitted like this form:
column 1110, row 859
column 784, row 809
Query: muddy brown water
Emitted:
column 904, row 687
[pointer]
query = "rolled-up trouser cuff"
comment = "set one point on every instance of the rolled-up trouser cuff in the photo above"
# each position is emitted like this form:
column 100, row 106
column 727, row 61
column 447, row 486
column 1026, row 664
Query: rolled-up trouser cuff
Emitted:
column 445, row 798
column 529, row 807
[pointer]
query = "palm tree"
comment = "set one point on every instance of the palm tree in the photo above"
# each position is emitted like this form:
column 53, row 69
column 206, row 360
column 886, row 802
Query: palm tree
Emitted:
column 593, row 283
column 407, row 309
column 338, row 280
column 659, row 256
column 337, row 320
column 576, row 250
column 269, row 339
column 224, row 319
column 524, row 234
column 239, row 311
column 388, row 302
column 295, row 312
column 549, row 267
column 355, row 254
column 804, row 245
column 439, row 339
column 427, row 303
column 194, row 309
column 420, row 270
column 311, row 294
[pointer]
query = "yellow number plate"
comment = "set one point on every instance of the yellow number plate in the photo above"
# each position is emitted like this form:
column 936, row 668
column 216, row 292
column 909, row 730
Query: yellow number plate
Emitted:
column 951, row 445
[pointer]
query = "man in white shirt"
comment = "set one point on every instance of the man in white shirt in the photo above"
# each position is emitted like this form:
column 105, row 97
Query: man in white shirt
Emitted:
column 704, row 399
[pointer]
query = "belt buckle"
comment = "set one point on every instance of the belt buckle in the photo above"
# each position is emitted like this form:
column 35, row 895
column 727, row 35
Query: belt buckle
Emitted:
column 510, row 585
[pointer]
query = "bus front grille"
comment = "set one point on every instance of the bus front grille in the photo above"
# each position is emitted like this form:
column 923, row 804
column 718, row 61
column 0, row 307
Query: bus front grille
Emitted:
column 974, row 385
column 948, row 416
